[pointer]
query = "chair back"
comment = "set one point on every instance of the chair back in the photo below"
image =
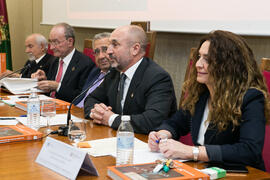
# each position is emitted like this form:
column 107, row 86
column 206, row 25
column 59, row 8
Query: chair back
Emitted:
column 265, row 67
column 49, row 50
column 88, row 50
column 187, row 139
column 151, row 36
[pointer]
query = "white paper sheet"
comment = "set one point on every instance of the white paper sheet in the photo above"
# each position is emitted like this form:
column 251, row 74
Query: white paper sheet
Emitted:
column 20, row 85
column 15, row 98
column 107, row 146
column 59, row 119
column 8, row 122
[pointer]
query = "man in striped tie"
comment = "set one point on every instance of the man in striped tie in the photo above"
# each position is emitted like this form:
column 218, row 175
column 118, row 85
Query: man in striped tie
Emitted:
column 96, row 76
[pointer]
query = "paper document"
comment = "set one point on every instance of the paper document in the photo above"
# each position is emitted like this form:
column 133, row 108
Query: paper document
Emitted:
column 59, row 119
column 7, row 121
column 11, row 100
column 20, row 85
column 107, row 146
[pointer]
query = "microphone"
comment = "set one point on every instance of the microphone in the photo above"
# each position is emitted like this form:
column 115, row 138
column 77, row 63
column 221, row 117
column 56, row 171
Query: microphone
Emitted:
column 63, row 130
column 22, row 69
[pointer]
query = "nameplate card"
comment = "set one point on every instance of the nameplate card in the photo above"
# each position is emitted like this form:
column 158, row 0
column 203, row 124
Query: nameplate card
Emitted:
column 64, row 159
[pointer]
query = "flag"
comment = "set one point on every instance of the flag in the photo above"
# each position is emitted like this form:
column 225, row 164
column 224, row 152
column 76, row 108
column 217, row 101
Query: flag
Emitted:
column 4, row 34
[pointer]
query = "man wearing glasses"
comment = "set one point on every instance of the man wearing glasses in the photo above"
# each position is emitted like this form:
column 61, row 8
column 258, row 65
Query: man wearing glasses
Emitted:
column 95, row 77
column 68, row 74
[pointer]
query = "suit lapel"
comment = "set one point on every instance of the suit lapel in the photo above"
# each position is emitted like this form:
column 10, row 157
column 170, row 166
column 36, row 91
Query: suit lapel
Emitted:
column 136, row 80
column 197, row 118
column 71, row 67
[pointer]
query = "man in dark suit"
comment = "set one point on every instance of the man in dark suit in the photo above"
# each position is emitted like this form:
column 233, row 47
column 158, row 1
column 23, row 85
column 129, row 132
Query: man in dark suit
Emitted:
column 36, row 49
column 145, row 91
column 95, row 77
column 69, row 72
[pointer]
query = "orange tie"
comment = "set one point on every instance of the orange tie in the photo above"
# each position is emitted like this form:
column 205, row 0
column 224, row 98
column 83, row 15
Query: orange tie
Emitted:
column 59, row 75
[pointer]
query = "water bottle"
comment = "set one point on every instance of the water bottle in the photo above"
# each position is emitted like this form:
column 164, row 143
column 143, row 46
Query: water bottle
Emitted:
column 33, row 111
column 125, row 142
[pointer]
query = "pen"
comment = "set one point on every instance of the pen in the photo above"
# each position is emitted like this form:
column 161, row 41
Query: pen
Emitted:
column 157, row 141
column 7, row 118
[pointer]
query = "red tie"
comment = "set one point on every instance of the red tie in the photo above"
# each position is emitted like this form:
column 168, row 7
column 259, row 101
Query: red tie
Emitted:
column 59, row 75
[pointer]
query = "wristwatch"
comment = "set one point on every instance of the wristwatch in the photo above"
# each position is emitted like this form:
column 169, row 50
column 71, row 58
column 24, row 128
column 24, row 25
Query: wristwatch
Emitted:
column 195, row 151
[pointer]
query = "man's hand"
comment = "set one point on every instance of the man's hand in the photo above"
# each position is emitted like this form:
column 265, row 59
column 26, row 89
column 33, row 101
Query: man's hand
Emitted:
column 7, row 72
column 39, row 74
column 101, row 114
column 48, row 86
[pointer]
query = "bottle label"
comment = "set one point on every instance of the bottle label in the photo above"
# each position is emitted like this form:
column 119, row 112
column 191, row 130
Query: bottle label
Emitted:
column 125, row 142
column 33, row 108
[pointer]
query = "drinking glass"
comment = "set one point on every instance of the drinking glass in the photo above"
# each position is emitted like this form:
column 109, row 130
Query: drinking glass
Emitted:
column 48, row 111
column 76, row 131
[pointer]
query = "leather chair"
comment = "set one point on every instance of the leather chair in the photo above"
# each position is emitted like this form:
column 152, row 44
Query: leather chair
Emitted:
column 187, row 139
column 265, row 67
column 151, row 36
column 88, row 50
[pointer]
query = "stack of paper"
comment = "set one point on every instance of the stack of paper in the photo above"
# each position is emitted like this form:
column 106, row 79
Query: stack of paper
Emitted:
column 20, row 85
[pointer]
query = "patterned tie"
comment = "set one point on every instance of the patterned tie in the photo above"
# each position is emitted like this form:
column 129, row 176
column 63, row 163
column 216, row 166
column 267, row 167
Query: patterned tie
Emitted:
column 120, row 92
column 59, row 75
column 96, row 84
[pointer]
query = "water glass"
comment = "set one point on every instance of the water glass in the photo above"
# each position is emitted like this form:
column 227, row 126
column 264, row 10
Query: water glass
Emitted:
column 76, row 131
column 48, row 110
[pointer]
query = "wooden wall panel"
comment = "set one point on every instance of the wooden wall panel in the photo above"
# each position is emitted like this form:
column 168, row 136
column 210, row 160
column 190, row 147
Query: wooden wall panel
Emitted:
column 172, row 49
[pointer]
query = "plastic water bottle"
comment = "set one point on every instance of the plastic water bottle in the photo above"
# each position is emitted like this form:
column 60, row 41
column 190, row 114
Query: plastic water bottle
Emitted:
column 33, row 111
column 125, row 142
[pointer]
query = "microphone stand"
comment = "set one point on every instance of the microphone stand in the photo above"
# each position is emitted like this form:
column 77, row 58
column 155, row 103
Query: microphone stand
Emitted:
column 63, row 130
column 22, row 69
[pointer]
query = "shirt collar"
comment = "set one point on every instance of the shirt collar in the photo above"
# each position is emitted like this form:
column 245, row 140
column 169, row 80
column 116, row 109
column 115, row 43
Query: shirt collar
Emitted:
column 130, row 71
column 68, row 57
column 39, row 59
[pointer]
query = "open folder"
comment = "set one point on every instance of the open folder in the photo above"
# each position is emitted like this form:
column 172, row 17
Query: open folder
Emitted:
column 20, row 85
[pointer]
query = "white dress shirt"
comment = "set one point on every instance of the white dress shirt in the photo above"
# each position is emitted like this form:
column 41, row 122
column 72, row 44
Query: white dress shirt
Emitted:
column 66, row 60
column 129, row 73
column 204, row 125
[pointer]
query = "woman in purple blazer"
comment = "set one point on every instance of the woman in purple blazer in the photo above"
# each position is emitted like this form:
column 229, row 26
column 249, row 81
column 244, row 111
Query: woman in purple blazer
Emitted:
column 225, row 109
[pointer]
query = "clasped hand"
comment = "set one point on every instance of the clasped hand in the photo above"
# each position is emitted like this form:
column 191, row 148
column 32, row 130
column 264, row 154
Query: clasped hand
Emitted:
column 101, row 114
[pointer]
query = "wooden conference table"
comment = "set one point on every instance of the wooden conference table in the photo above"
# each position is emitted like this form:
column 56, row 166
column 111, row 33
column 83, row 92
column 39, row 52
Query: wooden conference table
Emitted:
column 17, row 159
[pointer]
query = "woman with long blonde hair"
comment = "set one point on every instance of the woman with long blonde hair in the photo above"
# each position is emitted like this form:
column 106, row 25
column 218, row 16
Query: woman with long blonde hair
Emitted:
column 225, row 108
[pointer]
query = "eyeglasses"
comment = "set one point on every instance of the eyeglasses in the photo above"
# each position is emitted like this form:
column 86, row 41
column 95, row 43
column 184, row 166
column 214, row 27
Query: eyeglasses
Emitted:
column 55, row 42
column 103, row 49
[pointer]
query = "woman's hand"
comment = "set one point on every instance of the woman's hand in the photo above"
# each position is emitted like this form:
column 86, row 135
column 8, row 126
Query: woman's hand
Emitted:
column 175, row 149
column 152, row 141
column 155, row 138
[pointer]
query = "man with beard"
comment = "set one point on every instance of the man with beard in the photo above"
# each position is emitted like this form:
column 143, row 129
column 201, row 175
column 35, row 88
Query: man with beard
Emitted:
column 95, row 77
column 36, row 49
column 137, row 86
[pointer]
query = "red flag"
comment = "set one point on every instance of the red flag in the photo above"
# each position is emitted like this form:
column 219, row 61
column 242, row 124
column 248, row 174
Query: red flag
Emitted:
column 4, row 34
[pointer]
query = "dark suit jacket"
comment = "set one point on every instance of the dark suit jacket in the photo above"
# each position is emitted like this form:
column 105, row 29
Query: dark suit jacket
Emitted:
column 43, row 64
column 92, row 77
column 150, row 97
column 74, row 78
column 242, row 146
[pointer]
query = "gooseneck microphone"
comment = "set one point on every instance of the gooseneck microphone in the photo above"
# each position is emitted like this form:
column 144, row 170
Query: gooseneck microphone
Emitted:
column 22, row 70
column 63, row 130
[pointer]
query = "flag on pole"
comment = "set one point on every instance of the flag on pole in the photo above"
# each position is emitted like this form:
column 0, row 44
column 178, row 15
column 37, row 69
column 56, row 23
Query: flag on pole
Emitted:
column 4, row 34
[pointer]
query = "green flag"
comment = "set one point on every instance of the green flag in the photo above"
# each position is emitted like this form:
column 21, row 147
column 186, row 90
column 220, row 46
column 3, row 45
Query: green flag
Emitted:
column 4, row 34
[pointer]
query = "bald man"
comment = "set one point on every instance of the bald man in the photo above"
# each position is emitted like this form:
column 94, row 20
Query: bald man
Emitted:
column 36, row 49
column 137, row 86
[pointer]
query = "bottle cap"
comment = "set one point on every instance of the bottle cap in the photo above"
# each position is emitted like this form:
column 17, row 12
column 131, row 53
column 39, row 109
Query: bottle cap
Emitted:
column 125, row 118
